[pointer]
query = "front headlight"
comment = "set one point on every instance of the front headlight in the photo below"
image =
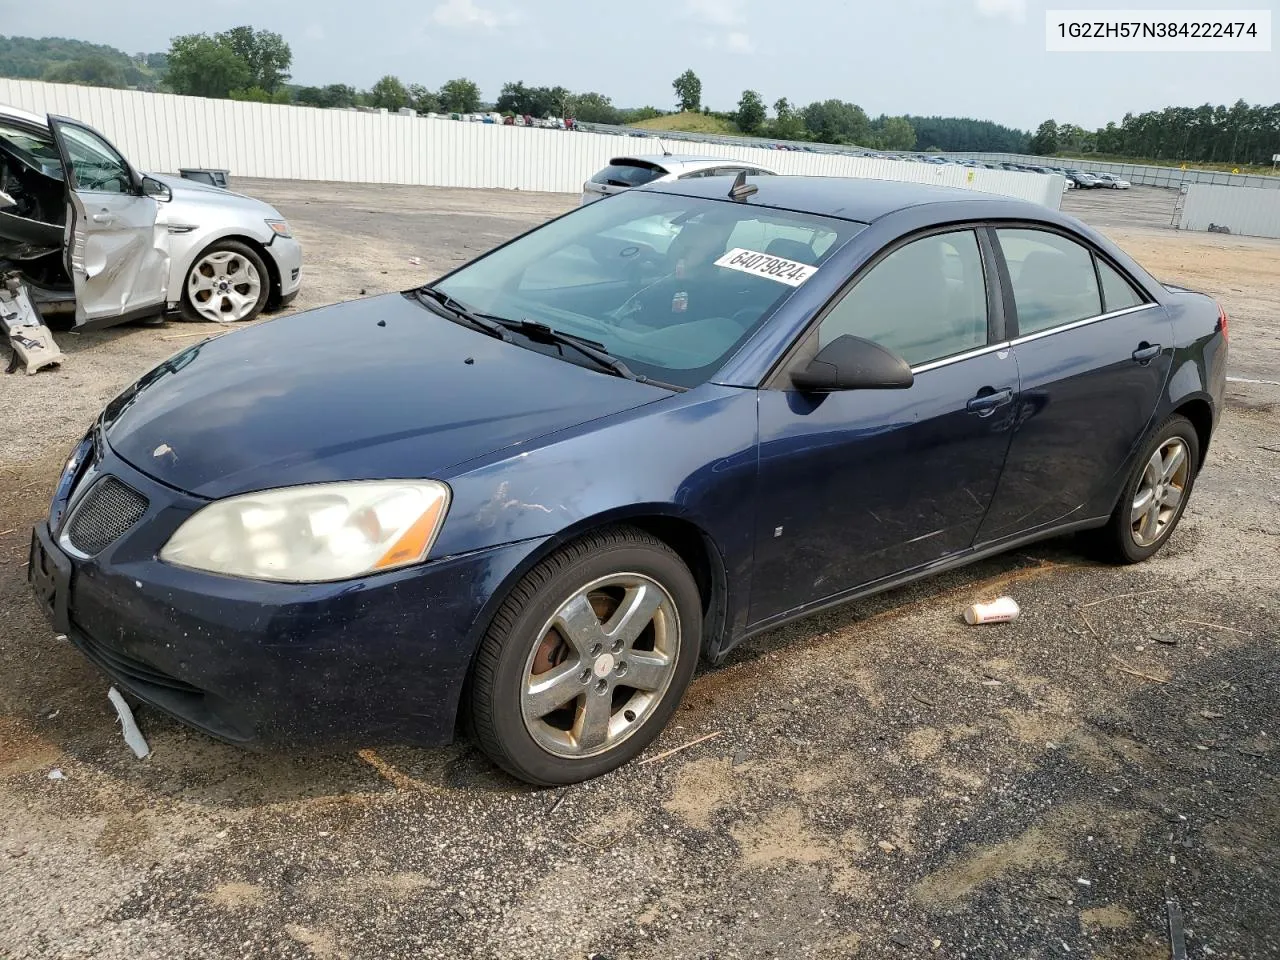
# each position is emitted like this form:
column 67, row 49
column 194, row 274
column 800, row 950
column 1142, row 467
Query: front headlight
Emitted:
column 279, row 227
column 316, row 533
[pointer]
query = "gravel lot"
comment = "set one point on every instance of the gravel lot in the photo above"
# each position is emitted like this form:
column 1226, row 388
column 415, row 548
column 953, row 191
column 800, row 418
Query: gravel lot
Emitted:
column 886, row 781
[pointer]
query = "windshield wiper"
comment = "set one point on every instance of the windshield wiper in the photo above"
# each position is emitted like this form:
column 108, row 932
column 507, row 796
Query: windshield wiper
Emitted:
column 592, row 349
column 480, row 321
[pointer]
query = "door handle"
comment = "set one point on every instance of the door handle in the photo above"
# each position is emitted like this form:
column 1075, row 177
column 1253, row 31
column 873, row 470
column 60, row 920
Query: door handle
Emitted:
column 103, row 217
column 988, row 399
column 1146, row 352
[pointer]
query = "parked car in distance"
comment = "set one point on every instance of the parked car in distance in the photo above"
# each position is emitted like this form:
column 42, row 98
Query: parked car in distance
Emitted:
column 1083, row 179
column 623, row 173
column 555, row 479
column 1112, row 181
column 91, row 234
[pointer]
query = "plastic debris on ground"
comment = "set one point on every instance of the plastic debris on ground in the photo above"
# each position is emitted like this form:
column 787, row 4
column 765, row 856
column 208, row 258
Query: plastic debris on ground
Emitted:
column 998, row 611
column 33, row 345
column 132, row 735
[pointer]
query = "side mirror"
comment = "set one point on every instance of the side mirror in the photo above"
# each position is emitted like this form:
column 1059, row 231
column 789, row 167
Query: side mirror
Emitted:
column 852, row 363
column 152, row 187
column 6, row 201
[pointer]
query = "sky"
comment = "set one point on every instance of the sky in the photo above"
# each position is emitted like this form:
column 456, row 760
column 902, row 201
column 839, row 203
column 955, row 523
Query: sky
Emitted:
column 976, row 58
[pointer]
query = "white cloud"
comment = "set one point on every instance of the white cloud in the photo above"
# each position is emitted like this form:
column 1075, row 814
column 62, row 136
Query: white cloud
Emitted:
column 720, row 13
column 739, row 42
column 464, row 14
column 1015, row 10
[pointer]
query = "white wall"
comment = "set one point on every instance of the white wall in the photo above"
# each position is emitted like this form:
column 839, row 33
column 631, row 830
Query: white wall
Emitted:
column 1248, row 211
column 162, row 132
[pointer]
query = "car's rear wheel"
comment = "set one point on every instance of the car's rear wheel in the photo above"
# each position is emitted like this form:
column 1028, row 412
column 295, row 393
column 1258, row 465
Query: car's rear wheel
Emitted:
column 1156, row 494
column 227, row 283
column 587, row 659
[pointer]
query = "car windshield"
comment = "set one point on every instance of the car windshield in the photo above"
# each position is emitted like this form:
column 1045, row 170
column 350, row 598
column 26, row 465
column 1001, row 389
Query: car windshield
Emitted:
column 669, row 284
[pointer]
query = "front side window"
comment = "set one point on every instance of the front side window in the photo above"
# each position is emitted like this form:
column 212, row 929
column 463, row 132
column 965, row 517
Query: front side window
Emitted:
column 925, row 301
column 96, row 166
column 1053, row 279
column 650, row 276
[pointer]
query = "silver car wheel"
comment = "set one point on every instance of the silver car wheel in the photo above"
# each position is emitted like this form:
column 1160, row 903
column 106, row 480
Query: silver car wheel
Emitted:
column 224, row 286
column 600, row 665
column 1160, row 492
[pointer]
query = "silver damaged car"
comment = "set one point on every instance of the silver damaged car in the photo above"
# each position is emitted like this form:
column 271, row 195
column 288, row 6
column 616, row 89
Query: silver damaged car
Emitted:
column 87, row 232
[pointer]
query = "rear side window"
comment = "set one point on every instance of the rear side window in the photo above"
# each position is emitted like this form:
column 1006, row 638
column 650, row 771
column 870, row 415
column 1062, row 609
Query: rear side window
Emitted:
column 1053, row 279
column 1117, row 292
column 628, row 174
column 925, row 301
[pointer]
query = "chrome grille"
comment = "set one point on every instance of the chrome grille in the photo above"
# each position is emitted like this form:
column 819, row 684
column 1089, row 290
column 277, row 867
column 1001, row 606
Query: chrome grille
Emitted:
column 107, row 511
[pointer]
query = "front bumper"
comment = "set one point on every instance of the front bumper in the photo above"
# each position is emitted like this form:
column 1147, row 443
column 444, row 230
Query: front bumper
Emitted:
column 377, row 660
column 287, row 254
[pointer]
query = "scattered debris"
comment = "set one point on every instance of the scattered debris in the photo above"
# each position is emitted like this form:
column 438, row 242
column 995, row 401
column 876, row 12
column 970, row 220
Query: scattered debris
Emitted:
column 33, row 345
column 1177, row 940
column 416, row 261
column 900, row 940
column 1216, row 626
column 52, row 715
column 559, row 800
column 886, row 846
column 691, row 743
column 56, row 774
column 920, row 699
column 132, row 735
column 1210, row 715
column 1083, row 882
column 936, row 944
column 188, row 336
column 1001, row 610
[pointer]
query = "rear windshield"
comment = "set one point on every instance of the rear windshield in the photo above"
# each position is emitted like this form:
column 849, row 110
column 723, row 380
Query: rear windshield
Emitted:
column 628, row 174
column 671, row 285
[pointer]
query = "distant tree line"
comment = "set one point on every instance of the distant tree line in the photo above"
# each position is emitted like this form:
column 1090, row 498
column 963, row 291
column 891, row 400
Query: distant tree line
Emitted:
column 1240, row 133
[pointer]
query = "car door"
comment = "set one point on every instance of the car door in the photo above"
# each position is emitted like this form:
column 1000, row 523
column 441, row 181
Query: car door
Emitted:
column 859, row 486
column 1093, row 354
column 117, row 258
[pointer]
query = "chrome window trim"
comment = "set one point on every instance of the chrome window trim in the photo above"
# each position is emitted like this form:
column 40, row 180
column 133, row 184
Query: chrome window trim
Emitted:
column 980, row 351
column 1081, row 323
column 956, row 358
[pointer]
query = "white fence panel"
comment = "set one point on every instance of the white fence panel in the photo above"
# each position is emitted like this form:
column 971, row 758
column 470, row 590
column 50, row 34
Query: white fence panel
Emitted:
column 163, row 132
column 1249, row 211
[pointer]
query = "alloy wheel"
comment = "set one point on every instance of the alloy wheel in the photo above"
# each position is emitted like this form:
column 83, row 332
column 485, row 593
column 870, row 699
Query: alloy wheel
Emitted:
column 600, row 665
column 1160, row 492
column 224, row 286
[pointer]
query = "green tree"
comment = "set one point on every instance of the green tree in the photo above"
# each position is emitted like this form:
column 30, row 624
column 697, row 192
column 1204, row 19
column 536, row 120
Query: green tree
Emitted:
column 896, row 133
column 751, row 112
column 258, row 95
column 265, row 53
column 93, row 71
column 460, row 96
column 787, row 124
column 595, row 108
column 1045, row 142
column 200, row 66
column 837, row 121
column 639, row 114
column 389, row 93
column 514, row 98
column 688, row 90
column 423, row 100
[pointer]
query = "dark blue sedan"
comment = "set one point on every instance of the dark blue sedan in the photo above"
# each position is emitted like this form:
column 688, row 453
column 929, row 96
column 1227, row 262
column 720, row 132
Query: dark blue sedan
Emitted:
column 528, row 497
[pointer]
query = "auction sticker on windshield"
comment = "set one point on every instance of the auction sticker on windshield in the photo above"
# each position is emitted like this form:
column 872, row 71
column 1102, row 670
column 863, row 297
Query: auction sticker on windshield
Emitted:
column 791, row 272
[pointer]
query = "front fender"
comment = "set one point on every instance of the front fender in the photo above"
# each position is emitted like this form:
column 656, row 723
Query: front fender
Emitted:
column 184, row 247
column 690, row 458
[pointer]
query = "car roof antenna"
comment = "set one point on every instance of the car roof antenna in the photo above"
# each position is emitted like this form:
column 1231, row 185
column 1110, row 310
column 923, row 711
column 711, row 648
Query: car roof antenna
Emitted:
column 741, row 189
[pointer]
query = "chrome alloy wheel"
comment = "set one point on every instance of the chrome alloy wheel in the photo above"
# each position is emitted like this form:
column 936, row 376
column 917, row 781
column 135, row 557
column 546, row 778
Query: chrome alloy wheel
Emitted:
column 1160, row 492
column 600, row 666
column 224, row 286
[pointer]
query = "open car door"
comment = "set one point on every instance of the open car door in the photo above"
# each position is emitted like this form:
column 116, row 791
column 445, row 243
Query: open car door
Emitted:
column 115, row 255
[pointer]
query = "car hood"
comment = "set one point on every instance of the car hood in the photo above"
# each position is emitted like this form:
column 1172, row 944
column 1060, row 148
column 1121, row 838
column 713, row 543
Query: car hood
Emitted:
column 189, row 196
column 372, row 389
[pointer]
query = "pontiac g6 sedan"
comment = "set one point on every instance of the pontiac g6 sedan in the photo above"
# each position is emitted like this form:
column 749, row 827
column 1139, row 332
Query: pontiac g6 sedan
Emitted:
column 527, row 498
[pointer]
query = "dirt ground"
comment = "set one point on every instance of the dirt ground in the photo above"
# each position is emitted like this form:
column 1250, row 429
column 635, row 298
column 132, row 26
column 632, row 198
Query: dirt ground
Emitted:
column 883, row 780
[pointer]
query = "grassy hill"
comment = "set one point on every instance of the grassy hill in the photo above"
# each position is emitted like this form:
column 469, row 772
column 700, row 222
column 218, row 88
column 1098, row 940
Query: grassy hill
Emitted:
column 689, row 123
column 75, row 61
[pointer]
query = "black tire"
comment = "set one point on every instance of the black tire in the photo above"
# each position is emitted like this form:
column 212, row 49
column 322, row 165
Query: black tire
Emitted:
column 496, row 706
column 189, row 311
column 1117, row 541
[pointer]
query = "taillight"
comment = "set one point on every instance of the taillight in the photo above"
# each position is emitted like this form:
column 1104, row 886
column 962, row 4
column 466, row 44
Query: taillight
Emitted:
column 1222, row 322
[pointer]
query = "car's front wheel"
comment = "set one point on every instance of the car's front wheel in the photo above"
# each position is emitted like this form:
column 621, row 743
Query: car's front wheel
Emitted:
column 227, row 283
column 1156, row 494
column 587, row 659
